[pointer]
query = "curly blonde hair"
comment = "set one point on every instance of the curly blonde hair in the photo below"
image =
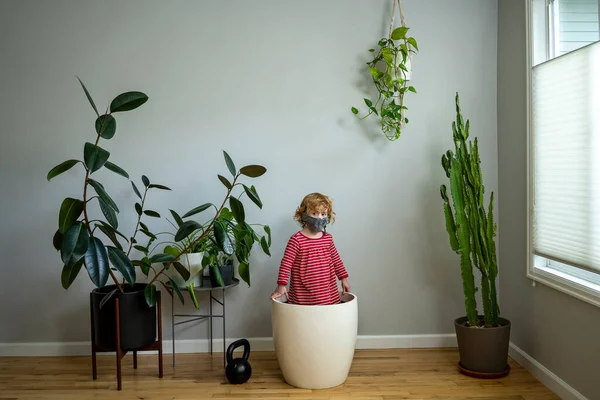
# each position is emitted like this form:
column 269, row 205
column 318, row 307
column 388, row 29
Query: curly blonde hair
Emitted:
column 315, row 202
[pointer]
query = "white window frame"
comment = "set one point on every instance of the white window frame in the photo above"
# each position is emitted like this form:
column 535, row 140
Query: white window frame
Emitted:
column 567, row 279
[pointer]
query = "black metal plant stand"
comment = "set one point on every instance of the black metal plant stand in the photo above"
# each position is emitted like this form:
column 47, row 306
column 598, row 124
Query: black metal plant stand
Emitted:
column 206, row 287
column 120, row 353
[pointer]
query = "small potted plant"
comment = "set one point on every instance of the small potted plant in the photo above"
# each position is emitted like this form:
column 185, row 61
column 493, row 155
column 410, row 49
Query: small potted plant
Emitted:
column 390, row 70
column 483, row 340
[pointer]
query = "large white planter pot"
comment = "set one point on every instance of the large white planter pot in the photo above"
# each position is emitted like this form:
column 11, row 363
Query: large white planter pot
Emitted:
column 192, row 262
column 315, row 345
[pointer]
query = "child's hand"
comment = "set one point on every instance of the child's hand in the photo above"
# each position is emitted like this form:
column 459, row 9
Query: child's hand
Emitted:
column 279, row 291
column 345, row 286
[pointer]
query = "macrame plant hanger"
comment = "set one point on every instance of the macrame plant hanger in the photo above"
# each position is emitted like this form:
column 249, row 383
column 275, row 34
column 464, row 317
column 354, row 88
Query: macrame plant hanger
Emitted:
column 405, row 75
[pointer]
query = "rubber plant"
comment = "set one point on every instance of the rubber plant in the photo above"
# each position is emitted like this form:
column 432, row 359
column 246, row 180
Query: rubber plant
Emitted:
column 388, row 69
column 470, row 228
column 81, row 240
column 226, row 231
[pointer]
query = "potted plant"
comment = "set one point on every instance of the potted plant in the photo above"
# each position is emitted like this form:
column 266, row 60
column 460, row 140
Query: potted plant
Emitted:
column 80, row 238
column 390, row 70
column 226, row 233
column 483, row 340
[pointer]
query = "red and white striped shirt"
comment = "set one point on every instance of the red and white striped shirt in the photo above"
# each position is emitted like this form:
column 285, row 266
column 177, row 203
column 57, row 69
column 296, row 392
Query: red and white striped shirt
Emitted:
column 312, row 265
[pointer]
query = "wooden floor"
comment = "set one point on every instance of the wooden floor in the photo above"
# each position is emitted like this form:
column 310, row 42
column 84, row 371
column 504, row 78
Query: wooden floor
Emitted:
column 375, row 374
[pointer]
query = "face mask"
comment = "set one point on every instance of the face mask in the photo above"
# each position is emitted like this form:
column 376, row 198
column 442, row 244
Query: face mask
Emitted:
column 314, row 224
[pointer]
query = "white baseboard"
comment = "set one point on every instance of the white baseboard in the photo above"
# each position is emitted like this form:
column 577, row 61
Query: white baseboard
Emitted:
column 544, row 375
column 202, row 345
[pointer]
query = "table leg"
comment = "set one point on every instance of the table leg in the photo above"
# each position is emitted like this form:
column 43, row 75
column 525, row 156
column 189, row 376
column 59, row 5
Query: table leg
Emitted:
column 210, row 321
column 224, row 336
column 173, row 326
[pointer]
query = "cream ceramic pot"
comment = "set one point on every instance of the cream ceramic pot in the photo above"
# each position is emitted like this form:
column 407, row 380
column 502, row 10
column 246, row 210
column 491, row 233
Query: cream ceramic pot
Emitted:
column 315, row 345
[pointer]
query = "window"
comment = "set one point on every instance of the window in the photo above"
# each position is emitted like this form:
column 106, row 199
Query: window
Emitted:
column 564, row 146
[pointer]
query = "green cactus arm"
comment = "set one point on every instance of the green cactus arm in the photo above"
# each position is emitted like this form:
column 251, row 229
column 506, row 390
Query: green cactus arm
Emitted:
column 450, row 225
column 462, row 229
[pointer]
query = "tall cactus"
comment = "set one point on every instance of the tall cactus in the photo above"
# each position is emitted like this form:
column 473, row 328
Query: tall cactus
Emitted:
column 471, row 231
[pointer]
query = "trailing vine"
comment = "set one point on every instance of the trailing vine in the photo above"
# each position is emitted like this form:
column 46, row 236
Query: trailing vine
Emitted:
column 389, row 70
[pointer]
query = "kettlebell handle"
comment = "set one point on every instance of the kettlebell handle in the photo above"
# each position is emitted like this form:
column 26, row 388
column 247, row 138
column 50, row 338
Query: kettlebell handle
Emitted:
column 236, row 344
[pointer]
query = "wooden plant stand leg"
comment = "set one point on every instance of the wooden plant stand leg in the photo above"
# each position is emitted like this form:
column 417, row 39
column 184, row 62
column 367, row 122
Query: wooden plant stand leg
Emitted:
column 120, row 353
column 94, row 370
column 160, row 342
column 134, row 359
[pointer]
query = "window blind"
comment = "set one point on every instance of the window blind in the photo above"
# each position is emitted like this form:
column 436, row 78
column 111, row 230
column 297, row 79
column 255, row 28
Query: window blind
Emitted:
column 566, row 163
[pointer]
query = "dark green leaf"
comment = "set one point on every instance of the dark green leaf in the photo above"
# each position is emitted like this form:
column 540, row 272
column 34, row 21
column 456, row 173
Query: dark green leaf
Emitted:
column 251, row 192
column 138, row 208
column 368, row 102
column 74, row 244
column 413, row 42
column 145, row 180
column 94, row 156
column 143, row 225
column 135, row 189
column 176, row 290
column 103, row 195
column 197, row 210
column 223, row 239
column 144, row 266
column 161, row 258
column 152, row 213
column 354, row 110
column 127, row 101
column 87, row 94
column 183, row 271
column 214, row 270
column 148, row 233
column 244, row 272
column 268, row 230
column 111, row 235
column 265, row 246
column 158, row 187
column 57, row 240
column 177, row 218
column 229, row 163
column 141, row 248
column 120, row 261
column 60, row 168
column 224, row 181
column 116, row 169
column 107, row 226
column 69, row 273
column 225, row 213
column 109, row 213
column 400, row 33
column 412, row 89
column 371, row 50
column 150, row 294
column 70, row 210
column 106, row 126
column 253, row 171
column 107, row 297
column 96, row 262
column 238, row 210
column 185, row 229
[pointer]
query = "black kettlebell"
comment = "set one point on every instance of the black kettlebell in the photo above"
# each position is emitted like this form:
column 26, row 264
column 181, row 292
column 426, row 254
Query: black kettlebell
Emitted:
column 238, row 370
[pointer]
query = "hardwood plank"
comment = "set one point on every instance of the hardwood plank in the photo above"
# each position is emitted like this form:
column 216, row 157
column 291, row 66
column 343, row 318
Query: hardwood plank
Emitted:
column 384, row 374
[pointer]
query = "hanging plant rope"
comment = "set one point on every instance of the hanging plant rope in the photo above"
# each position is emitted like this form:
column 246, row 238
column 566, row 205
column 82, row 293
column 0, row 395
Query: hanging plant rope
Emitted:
column 389, row 72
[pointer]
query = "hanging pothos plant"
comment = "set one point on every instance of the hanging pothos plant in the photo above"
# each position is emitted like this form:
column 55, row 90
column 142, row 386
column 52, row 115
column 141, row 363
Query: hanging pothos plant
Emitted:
column 390, row 71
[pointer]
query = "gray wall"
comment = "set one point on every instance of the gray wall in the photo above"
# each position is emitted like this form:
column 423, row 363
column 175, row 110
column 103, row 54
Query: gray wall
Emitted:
column 557, row 330
column 272, row 82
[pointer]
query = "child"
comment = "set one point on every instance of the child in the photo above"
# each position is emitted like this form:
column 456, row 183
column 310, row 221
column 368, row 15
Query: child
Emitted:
column 311, row 262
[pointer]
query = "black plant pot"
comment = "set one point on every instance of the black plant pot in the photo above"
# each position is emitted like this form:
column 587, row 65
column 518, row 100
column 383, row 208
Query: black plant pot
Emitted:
column 226, row 273
column 483, row 351
column 137, row 320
